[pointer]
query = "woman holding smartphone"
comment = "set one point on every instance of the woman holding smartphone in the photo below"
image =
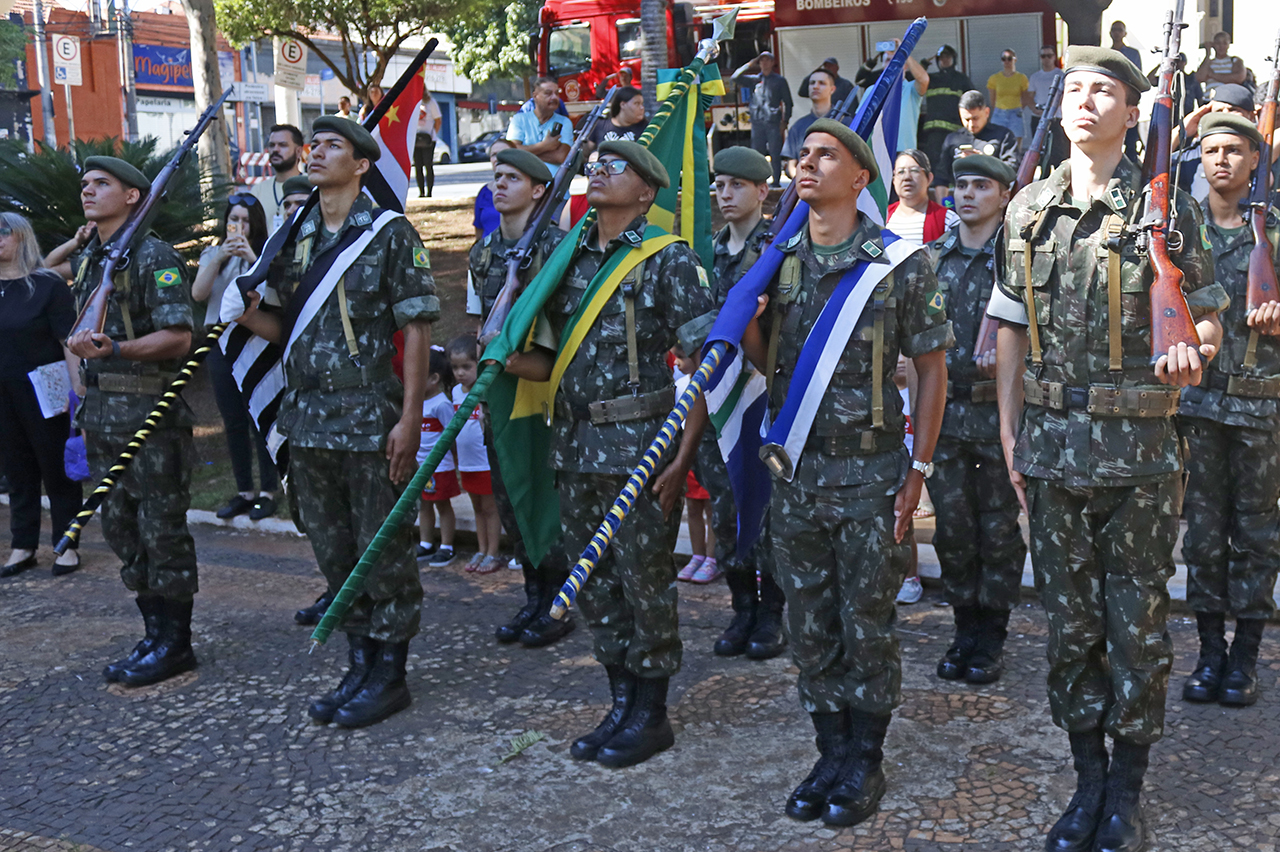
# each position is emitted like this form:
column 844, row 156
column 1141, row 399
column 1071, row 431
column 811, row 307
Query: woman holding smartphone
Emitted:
column 244, row 232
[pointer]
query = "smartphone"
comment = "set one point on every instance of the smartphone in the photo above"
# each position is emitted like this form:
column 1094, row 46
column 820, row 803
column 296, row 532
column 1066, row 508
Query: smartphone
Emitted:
column 886, row 46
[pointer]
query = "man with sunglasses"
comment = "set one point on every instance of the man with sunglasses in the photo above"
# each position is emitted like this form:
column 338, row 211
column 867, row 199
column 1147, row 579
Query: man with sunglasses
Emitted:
column 614, row 393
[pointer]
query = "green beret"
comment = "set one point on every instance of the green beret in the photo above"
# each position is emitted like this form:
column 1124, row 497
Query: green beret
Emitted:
column 525, row 162
column 119, row 169
column 1104, row 60
column 986, row 166
column 295, row 185
column 648, row 166
column 352, row 131
column 859, row 148
column 741, row 162
column 1227, row 122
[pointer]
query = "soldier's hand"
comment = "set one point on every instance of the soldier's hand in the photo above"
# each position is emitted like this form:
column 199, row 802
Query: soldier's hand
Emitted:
column 1183, row 365
column 85, row 233
column 905, row 504
column 90, row 345
column 669, row 486
column 762, row 302
column 402, row 450
column 1266, row 319
column 987, row 365
column 1019, row 483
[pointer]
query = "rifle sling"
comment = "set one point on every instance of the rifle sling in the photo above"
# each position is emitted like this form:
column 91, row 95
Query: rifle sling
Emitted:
column 347, row 331
column 1033, row 323
column 877, row 358
column 630, row 286
column 1113, row 228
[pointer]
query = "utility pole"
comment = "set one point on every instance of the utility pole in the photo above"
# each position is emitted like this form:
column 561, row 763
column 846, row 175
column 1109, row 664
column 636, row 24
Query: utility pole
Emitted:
column 46, row 85
column 124, row 38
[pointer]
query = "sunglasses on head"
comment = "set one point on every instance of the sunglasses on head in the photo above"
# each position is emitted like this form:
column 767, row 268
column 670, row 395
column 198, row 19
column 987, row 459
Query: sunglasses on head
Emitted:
column 242, row 199
column 612, row 167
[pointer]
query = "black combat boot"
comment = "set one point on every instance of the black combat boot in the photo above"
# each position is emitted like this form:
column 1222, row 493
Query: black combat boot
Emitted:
column 743, row 599
column 955, row 662
column 622, row 688
column 152, row 609
column 511, row 631
column 768, row 640
column 1206, row 681
column 171, row 654
column 544, row 629
column 809, row 799
column 1074, row 830
column 987, row 662
column 861, row 786
column 315, row 612
column 384, row 691
column 1122, row 828
column 1240, row 685
column 361, row 653
column 647, row 730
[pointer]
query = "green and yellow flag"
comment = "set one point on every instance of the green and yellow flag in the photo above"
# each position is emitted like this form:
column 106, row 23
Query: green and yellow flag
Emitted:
column 521, row 411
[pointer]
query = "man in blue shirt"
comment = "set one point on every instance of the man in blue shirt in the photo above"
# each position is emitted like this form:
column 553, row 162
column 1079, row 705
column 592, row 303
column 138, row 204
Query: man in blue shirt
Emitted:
column 542, row 132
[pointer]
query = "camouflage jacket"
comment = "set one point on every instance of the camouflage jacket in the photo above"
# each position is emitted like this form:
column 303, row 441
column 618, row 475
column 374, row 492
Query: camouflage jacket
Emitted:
column 964, row 279
column 157, row 291
column 488, row 263
column 1069, row 279
column 673, row 292
column 728, row 268
column 1231, row 271
column 915, row 323
column 388, row 286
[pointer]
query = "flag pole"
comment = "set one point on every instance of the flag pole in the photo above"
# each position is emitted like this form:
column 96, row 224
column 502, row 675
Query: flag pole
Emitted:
column 697, row 385
column 343, row 600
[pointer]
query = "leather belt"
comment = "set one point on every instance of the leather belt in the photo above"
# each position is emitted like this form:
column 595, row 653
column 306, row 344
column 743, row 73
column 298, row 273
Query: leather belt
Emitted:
column 984, row 391
column 621, row 410
column 854, row 443
column 1249, row 386
column 1102, row 401
column 344, row 378
column 150, row 385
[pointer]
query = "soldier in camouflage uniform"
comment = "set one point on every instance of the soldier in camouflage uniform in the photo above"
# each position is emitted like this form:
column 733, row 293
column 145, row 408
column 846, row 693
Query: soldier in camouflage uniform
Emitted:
column 742, row 185
column 604, row 421
column 353, row 429
column 1094, row 452
column 1232, row 425
column 126, row 368
column 840, row 524
column 979, row 543
column 520, row 180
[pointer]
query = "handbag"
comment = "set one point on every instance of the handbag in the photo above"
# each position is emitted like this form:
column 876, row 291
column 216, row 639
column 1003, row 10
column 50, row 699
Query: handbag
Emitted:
column 75, row 459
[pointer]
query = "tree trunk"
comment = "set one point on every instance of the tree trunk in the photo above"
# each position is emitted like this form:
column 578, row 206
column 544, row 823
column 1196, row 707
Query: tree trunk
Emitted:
column 214, row 148
column 653, row 50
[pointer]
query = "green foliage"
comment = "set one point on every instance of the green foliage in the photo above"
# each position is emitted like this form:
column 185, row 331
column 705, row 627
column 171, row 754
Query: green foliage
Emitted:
column 492, row 40
column 522, row 742
column 45, row 187
column 13, row 48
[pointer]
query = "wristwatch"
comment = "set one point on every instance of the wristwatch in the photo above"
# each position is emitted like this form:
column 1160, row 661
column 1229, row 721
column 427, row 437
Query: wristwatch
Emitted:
column 925, row 468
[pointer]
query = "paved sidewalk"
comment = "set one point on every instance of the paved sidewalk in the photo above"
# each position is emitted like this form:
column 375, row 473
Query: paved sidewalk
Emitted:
column 226, row 759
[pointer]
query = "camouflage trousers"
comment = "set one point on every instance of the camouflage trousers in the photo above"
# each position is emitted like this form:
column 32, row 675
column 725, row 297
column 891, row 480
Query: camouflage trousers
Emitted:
column 144, row 517
column 1103, row 558
column 1233, row 524
column 978, row 541
column 840, row 569
column 630, row 600
column 343, row 498
column 556, row 562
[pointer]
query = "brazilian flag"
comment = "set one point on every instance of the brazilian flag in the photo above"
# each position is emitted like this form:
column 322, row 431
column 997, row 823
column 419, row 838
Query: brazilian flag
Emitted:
column 521, row 411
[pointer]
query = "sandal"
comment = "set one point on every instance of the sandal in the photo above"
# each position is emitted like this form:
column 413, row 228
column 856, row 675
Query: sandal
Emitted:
column 491, row 565
column 687, row 572
column 709, row 572
column 473, row 564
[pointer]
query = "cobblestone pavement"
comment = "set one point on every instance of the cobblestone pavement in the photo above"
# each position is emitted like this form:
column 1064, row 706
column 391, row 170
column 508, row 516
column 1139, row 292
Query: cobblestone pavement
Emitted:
column 225, row 758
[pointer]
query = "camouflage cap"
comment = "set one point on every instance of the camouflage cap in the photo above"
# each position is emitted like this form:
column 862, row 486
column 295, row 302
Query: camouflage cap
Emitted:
column 298, row 184
column 1226, row 122
column 1104, row 60
column 859, row 148
column 984, row 165
column 742, row 162
column 120, row 170
column 353, row 131
column 525, row 162
column 648, row 166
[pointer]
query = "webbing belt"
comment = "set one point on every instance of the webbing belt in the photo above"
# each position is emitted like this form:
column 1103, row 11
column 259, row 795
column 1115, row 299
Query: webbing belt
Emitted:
column 1102, row 401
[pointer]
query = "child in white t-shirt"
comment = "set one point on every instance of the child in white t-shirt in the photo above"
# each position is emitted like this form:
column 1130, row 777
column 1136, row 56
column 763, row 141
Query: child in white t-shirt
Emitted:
column 473, row 460
column 702, row 567
column 442, row 487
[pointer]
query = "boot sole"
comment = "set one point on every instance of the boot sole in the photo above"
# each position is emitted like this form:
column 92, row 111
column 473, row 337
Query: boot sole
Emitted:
column 844, row 817
column 130, row 678
column 615, row 760
column 542, row 640
column 767, row 654
column 386, row 713
column 1197, row 697
column 806, row 813
column 1235, row 699
column 984, row 678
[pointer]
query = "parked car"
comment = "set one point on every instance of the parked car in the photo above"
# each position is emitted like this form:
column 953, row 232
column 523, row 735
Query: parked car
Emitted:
column 477, row 150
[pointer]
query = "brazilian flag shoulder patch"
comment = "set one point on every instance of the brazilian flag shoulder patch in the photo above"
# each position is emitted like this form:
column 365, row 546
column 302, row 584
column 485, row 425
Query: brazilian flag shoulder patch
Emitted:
column 1204, row 238
column 421, row 258
column 168, row 277
column 937, row 302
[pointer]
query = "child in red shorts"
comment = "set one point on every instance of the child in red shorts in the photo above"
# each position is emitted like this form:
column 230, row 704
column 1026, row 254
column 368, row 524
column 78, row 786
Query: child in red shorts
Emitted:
column 473, row 460
column 702, row 567
column 442, row 487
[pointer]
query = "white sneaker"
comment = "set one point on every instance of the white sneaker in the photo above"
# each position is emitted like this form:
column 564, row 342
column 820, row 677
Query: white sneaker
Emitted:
column 911, row 591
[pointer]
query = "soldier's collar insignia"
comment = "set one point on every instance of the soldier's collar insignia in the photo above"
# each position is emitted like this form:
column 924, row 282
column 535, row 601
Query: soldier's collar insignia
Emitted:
column 794, row 241
column 872, row 249
column 362, row 218
column 1115, row 198
column 632, row 237
column 308, row 228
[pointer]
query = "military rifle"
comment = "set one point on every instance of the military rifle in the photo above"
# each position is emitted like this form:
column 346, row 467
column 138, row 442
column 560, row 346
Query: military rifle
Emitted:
column 1262, row 271
column 94, row 313
column 521, row 255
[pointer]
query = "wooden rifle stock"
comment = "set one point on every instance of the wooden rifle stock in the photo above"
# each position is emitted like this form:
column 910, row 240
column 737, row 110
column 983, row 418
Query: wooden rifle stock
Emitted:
column 94, row 313
column 1262, row 270
column 519, row 257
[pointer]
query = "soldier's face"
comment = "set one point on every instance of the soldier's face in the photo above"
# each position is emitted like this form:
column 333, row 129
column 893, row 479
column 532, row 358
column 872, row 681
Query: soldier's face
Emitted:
column 625, row 190
column 1094, row 110
column 979, row 200
column 333, row 161
column 740, row 199
column 975, row 119
column 292, row 202
column 821, row 88
column 104, row 197
column 513, row 190
column 1229, row 162
column 827, row 172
